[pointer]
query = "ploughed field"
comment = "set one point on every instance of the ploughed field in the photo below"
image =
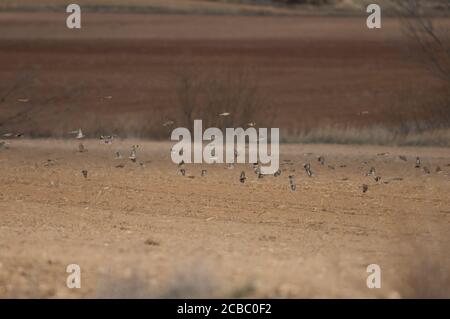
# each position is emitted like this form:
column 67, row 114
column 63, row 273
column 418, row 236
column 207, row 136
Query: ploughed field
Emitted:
column 144, row 230
column 120, row 71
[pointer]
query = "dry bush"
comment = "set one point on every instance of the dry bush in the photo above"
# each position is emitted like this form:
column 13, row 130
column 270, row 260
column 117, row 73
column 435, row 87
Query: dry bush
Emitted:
column 205, row 95
column 429, row 39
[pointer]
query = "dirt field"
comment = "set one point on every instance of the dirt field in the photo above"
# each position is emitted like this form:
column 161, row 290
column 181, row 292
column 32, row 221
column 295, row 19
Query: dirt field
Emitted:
column 313, row 71
column 147, row 231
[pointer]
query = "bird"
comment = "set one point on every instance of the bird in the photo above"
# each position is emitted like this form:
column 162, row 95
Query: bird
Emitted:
column 365, row 188
column 438, row 169
column 118, row 155
column 168, row 123
column 85, row 173
column 80, row 134
column 371, row 172
column 307, row 168
column 277, row 173
column 133, row 154
column 292, row 183
column 417, row 162
column 204, row 173
column 403, row 158
column 242, row 178
column 376, row 178
column 81, row 148
column 321, row 160
column 183, row 171
column 107, row 139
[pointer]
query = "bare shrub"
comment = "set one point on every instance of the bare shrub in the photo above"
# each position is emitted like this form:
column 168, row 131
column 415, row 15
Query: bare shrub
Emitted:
column 205, row 95
column 429, row 37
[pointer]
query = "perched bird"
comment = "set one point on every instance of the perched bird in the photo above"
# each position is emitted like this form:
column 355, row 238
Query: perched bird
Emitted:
column 204, row 173
column 417, row 162
column 133, row 156
column 377, row 178
column 242, row 178
column 107, row 139
column 365, row 188
column 307, row 168
column 183, row 171
column 277, row 173
column 292, row 183
column 403, row 158
column 81, row 148
column 371, row 172
column 321, row 160
column 85, row 173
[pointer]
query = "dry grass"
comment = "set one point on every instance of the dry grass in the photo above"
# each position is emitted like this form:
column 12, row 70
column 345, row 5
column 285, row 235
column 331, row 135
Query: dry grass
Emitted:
column 376, row 135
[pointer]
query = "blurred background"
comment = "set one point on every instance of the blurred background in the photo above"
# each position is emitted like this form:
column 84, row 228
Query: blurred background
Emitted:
column 311, row 68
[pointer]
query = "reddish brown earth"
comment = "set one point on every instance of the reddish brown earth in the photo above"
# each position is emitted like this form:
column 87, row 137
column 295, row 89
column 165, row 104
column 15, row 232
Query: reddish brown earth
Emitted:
column 312, row 70
column 150, row 232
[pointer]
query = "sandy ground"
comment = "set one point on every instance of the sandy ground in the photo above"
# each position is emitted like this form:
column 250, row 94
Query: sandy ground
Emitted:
column 146, row 231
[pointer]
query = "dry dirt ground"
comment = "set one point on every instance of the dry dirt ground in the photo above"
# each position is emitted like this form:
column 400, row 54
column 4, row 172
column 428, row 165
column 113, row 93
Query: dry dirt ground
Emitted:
column 312, row 71
column 146, row 231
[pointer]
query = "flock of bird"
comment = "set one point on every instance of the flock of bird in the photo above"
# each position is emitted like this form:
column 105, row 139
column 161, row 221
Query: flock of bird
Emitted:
column 133, row 156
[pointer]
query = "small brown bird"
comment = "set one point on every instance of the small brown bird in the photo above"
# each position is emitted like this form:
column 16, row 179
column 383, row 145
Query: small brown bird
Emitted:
column 85, row 173
column 183, row 171
column 307, row 167
column 417, row 162
column 321, row 160
column 292, row 183
column 365, row 188
column 81, row 148
column 277, row 173
column 242, row 178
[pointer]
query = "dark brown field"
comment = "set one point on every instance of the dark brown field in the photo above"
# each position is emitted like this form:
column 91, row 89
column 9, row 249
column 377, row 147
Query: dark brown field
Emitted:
column 311, row 71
